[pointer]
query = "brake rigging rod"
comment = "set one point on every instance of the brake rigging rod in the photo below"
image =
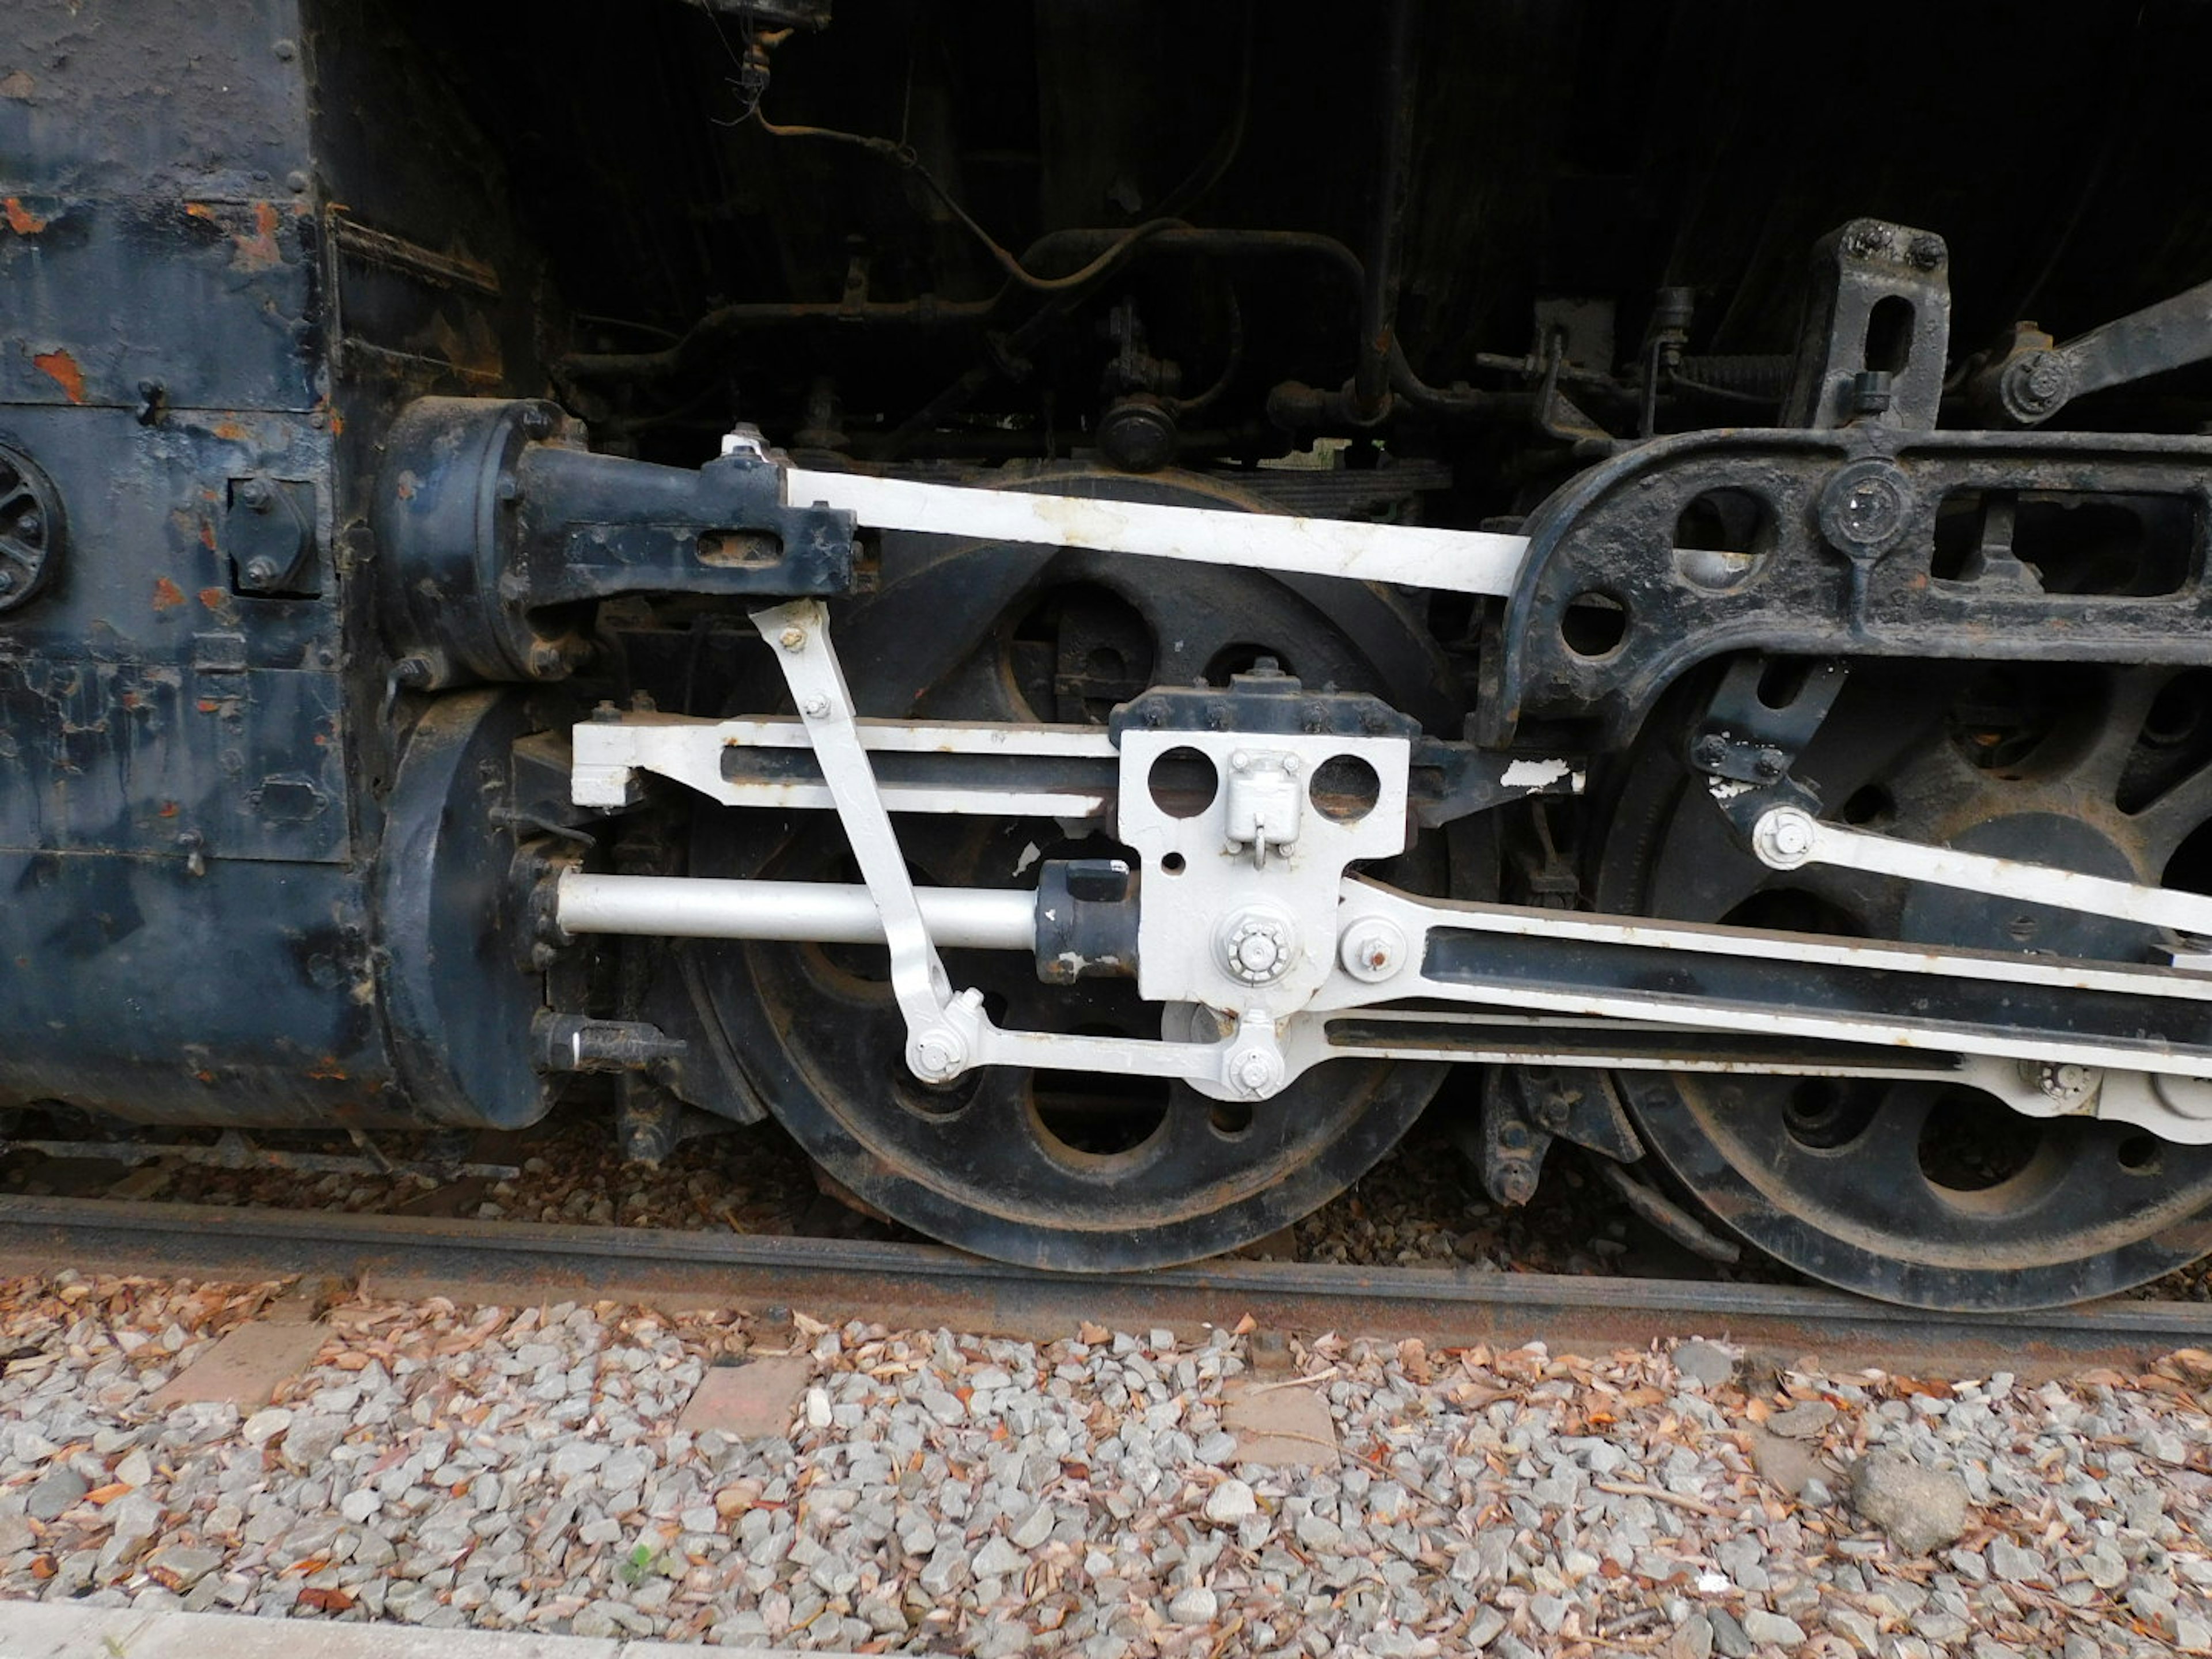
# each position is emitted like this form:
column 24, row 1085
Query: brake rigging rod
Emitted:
column 1790, row 838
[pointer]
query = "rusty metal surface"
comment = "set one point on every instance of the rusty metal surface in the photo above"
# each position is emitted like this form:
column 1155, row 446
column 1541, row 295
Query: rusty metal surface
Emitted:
column 909, row 1284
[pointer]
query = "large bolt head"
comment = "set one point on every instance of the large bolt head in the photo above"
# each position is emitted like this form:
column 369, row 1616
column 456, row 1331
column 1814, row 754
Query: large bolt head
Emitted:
column 1257, row 947
column 1865, row 508
column 1258, row 952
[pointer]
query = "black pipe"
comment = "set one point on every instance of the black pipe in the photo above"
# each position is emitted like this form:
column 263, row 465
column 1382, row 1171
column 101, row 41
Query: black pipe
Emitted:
column 713, row 329
column 1378, row 297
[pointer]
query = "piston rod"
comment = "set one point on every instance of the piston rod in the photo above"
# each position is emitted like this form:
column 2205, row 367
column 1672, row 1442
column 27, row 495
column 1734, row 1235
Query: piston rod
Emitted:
column 824, row 913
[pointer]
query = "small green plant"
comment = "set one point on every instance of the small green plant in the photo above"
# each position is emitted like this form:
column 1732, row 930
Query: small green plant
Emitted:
column 638, row 1565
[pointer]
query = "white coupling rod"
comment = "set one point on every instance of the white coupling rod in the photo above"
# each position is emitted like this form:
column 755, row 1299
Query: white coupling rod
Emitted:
column 817, row 912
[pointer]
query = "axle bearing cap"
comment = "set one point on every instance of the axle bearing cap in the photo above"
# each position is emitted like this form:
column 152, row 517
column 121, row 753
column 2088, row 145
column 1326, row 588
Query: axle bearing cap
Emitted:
column 1258, row 947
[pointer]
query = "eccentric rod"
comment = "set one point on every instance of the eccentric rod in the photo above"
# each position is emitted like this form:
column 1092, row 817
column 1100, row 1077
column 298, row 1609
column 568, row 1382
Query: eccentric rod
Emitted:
column 824, row 913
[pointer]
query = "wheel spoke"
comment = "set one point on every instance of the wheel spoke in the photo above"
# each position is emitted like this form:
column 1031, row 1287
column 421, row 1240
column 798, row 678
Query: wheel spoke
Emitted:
column 2166, row 821
column 2098, row 770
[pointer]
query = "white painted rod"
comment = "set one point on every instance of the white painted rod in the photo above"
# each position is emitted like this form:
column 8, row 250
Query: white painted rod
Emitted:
column 1460, row 560
column 1786, row 837
column 826, row 913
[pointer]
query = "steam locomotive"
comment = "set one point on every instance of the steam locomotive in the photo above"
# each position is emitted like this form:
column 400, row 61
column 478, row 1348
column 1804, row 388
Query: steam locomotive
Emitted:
column 1096, row 606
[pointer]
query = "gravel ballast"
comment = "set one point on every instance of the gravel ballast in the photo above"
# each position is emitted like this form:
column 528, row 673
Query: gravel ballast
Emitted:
column 522, row 1469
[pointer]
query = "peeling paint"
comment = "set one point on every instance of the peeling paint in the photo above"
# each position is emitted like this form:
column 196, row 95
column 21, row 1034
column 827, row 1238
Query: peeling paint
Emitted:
column 61, row 368
column 1535, row 774
column 257, row 249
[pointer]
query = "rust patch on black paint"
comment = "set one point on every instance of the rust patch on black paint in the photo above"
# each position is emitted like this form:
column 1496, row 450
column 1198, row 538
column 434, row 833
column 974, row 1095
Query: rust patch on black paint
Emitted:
column 257, row 248
column 61, row 368
column 21, row 219
column 167, row 595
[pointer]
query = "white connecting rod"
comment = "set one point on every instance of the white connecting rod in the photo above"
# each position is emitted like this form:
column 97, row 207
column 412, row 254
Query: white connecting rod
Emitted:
column 826, row 913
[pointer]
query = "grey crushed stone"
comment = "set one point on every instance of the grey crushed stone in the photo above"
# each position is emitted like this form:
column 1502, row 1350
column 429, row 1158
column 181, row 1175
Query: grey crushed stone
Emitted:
column 1705, row 1363
column 521, row 1470
column 1920, row 1507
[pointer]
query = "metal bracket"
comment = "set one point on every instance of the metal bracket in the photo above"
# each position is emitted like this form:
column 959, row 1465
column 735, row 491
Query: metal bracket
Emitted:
column 1879, row 328
column 1744, row 738
column 268, row 535
column 919, row 767
column 1245, row 838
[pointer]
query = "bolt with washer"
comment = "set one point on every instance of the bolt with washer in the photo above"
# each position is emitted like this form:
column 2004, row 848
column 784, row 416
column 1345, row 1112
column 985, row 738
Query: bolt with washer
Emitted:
column 2073, row 1087
column 792, row 639
column 937, row 1055
column 1255, row 1072
column 815, row 708
column 1783, row 838
column 1372, row 950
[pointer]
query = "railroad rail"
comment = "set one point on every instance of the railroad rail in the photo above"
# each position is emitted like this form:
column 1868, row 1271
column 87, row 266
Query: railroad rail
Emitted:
column 910, row 1285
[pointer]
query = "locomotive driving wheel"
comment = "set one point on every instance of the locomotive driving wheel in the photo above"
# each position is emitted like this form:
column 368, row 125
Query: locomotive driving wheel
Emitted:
column 1058, row 1170
column 1926, row 1193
